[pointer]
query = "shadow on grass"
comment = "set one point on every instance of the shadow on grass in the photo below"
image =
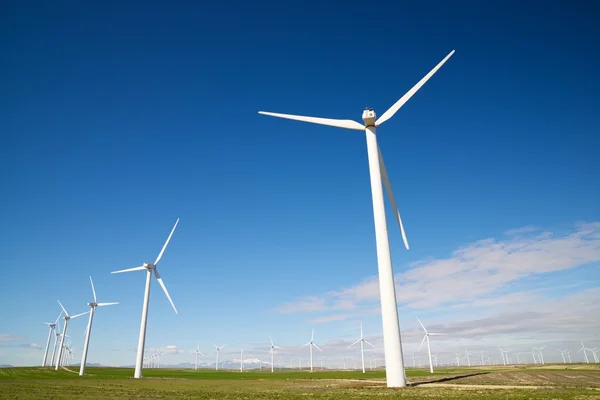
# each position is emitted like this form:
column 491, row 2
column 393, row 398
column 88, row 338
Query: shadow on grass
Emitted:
column 451, row 378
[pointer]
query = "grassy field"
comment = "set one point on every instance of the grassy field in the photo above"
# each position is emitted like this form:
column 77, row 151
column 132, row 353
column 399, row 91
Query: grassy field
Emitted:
column 550, row 382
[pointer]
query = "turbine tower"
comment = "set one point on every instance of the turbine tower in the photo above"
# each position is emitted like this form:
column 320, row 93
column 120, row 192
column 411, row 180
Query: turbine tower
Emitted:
column 310, row 346
column 272, row 352
column 587, row 360
column 86, row 344
column 218, row 351
column 64, row 333
column 394, row 361
column 362, row 341
column 51, row 327
column 139, row 362
column 196, row 353
column 427, row 334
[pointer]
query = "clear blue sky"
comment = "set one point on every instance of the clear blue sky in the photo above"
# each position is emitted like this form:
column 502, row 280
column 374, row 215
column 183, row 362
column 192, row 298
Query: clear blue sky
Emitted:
column 117, row 119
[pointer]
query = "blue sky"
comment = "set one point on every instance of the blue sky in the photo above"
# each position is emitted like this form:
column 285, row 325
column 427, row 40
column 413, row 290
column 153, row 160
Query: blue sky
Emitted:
column 118, row 119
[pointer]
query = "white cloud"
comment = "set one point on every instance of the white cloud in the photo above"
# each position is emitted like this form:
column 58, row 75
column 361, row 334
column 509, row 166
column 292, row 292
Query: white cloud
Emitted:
column 524, row 229
column 5, row 337
column 480, row 273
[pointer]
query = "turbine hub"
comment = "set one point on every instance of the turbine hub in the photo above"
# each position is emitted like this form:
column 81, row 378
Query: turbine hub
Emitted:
column 368, row 117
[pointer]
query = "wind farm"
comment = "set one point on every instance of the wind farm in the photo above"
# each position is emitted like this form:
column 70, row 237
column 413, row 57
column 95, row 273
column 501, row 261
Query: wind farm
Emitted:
column 444, row 242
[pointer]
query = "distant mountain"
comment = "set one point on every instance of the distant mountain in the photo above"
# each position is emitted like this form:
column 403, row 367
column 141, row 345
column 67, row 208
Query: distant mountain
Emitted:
column 6, row 366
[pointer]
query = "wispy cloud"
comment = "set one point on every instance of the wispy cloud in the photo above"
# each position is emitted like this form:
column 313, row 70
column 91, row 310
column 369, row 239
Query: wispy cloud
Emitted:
column 480, row 274
column 524, row 229
column 5, row 337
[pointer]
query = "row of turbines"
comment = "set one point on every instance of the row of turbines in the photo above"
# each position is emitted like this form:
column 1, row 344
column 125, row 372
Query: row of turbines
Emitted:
column 64, row 353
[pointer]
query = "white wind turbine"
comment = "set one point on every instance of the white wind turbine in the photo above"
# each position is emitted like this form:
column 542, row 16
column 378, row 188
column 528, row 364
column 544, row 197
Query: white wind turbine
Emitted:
column 67, row 318
column 86, row 344
column 395, row 374
column 594, row 353
column 562, row 353
column 51, row 327
column 218, row 351
column 587, row 360
column 272, row 352
column 467, row 354
column 57, row 335
column 362, row 341
column 310, row 346
column 196, row 353
column 139, row 362
column 241, row 360
column 539, row 349
column 426, row 337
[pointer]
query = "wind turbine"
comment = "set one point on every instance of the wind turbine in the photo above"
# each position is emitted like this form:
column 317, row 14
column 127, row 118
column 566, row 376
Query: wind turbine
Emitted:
column 241, row 360
column 394, row 361
column 594, row 353
column 218, row 351
column 139, row 362
column 540, row 353
column 562, row 353
column 93, row 306
column 467, row 354
column 587, row 360
column 426, row 337
column 569, row 355
column 272, row 352
column 64, row 333
column 51, row 326
column 56, row 340
column 196, row 353
column 362, row 341
column 310, row 346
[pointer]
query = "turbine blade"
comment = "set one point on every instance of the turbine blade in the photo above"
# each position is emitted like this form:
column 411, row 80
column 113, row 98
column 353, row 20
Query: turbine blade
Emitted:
column 216, row 347
column 312, row 335
column 424, row 337
column 388, row 189
column 354, row 343
column 271, row 340
column 79, row 315
column 304, row 345
column 314, row 344
column 61, row 306
column 93, row 290
column 164, row 288
column 369, row 344
column 166, row 244
column 421, row 325
column 107, row 304
column 392, row 110
column 338, row 123
column 130, row 270
column 57, row 318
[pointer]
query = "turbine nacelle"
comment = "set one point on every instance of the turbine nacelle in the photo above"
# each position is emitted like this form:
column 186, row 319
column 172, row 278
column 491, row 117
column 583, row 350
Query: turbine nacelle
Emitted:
column 369, row 117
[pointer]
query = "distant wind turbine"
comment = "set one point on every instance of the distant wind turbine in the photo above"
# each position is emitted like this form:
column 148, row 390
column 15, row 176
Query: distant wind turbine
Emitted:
column 272, row 352
column 86, row 344
column 587, row 360
column 395, row 374
column 362, row 341
column 148, row 267
column 218, row 351
column 67, row 318
column 310, row 346
column 51, row 327
column 426, row 337
column 196, row 353
column 467, row 354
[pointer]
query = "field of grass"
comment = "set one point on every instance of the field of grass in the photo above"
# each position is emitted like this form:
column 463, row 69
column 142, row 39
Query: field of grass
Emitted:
column 578, row 382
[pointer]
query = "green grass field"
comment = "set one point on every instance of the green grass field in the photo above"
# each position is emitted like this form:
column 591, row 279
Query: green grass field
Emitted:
column 550, row 382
